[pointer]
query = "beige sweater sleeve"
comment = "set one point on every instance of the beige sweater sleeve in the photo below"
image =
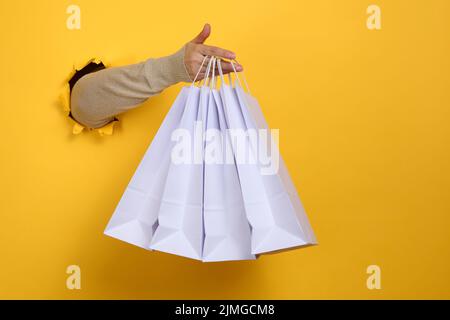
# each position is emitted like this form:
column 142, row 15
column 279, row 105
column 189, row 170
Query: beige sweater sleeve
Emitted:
column 97, row 97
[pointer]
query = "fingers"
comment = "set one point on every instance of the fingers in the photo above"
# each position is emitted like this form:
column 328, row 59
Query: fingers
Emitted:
column 227, row 67
column 216, row 51
column 203, row 35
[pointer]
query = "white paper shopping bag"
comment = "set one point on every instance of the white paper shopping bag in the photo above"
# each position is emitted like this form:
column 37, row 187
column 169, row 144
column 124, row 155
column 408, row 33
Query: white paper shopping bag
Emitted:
column 254, row 119
column 273, row 209
column 180, row 227
column 135, row 217
column 227, row 231
column 180, row 221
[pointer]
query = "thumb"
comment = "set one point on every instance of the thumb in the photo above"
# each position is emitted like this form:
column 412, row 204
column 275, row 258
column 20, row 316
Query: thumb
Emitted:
column 202, row 36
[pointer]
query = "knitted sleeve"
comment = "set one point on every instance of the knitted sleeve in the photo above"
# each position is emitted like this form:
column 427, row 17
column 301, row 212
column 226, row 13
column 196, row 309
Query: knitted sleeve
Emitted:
column 97, row 97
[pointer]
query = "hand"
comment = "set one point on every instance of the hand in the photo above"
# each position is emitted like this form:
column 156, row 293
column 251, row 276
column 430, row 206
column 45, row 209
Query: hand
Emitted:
column 196, row 51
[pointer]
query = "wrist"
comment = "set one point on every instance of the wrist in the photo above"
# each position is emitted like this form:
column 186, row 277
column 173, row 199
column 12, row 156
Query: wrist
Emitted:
column 166, row 71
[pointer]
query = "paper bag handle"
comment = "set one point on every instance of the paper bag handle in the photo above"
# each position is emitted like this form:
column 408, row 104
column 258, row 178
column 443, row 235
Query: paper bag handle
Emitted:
column 237, row 77
column 199, row 69
column 219, row 67
column 211, row 81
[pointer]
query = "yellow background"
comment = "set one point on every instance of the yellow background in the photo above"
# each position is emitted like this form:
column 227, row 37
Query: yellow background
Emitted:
column 364, row 129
